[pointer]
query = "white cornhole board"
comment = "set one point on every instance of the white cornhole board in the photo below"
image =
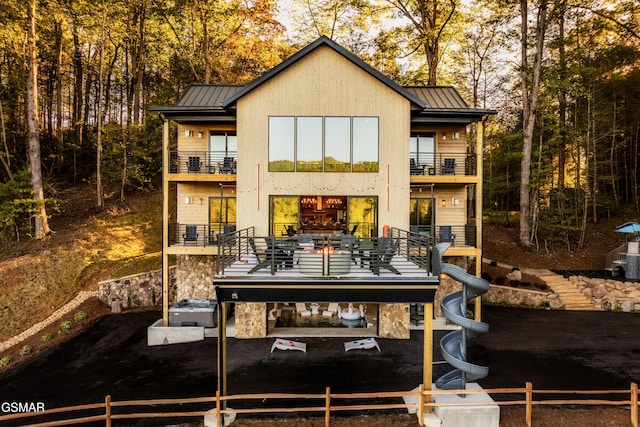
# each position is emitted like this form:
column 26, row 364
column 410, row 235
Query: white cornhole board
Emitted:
column 363, row 344
column 281, row 344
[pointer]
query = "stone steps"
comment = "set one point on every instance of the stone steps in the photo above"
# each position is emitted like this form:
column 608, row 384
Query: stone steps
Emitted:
column 568, row 292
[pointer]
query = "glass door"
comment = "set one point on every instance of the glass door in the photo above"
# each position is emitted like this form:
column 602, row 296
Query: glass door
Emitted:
column 362, row 216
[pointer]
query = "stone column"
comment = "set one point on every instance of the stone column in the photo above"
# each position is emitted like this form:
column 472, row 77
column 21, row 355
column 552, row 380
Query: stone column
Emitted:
column 251, row 320
column 393, row 321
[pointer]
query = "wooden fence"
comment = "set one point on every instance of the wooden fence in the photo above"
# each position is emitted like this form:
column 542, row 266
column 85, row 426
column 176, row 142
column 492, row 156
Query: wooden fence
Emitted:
column 111, row 411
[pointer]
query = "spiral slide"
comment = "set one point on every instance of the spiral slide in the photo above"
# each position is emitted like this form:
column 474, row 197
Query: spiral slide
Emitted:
column 454, row 344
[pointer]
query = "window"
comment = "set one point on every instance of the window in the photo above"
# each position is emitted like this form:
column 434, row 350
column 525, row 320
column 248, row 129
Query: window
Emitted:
column 365, row 144
column 337, row 151
column 329, row 144
column 281, row 144
column 422, row 149
column 223, row 144
column 222, row 214
column 283, row 212
column 421, row 215
column 309, row 144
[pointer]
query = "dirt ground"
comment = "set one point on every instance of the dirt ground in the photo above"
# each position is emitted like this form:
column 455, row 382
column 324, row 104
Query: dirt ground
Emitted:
column 592, row 350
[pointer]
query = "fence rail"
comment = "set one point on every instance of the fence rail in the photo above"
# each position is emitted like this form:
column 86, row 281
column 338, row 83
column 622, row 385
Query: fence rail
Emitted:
column 424, row 403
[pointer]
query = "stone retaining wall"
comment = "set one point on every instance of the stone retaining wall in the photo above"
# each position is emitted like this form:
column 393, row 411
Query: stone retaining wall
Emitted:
column 138, row 290
column 501, row 295
column 609, row 294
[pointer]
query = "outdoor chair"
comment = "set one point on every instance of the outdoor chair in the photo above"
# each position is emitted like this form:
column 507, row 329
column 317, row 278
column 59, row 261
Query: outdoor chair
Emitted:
column 415, row 168
column 191, row 234
column 228, row 165
column 193, row 164
column 331, row 310
column 301, row 309
column 448, row 167
column 445, row 234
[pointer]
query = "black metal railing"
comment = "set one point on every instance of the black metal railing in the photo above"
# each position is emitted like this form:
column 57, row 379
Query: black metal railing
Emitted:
column 442, row 164
column 400, row 253
column 207, row 162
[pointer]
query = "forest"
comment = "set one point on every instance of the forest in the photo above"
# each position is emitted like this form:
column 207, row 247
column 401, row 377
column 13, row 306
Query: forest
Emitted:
column 77, row 79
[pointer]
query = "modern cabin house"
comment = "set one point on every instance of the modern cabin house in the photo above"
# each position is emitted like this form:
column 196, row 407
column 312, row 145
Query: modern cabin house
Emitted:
column 319, row 184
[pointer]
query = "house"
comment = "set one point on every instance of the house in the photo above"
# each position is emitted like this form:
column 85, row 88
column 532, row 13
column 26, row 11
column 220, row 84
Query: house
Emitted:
column 321, row 153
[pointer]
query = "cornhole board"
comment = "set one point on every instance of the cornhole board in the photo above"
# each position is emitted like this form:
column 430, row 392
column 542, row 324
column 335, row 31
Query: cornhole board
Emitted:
column 281, row 344
column 363, row 344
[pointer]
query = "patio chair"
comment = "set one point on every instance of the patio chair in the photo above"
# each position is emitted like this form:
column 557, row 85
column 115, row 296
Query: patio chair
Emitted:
column 262, row 258
column 301, row 309
column 191, row 234
column 228, row 165
column 445, row 234
column 415, row 168
column 193, row 164
column 385, row 259
column 331, row 310
column 448, row 167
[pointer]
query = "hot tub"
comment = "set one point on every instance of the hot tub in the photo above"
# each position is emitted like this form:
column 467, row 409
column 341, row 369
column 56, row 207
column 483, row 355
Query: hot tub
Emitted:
column 194, row 312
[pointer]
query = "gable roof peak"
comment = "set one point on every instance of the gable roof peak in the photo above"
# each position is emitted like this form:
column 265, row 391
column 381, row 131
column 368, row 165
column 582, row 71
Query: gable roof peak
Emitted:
column 323, row 41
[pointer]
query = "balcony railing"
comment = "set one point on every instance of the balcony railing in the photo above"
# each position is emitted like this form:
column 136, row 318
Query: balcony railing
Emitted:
column 330, row 255
column 443, row 164
column 207, row 162
column 210, row 234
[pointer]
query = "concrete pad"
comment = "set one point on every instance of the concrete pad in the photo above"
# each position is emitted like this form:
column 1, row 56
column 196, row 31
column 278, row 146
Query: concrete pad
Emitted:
column 467, row 416
column 163, row 335
column 212, row 420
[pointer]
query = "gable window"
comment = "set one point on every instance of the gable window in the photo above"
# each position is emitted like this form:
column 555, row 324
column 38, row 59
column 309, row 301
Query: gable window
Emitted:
column 323, row 144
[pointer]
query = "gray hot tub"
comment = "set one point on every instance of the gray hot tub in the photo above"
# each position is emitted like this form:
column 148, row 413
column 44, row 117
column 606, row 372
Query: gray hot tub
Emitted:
column 194, row 312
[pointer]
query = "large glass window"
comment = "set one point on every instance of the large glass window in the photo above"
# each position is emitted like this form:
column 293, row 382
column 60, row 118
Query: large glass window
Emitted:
column 281, row 144
column 363, row 216
column 222, row 214
column 337, row 152
column 284, row 212
column 421, row 215
column 348, row 144
column 365, row 144
column 309, row 144
column 422, row 148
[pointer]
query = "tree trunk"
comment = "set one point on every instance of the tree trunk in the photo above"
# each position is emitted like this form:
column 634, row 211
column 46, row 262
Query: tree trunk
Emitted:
column 59, row 130
column 530, row 95
column 41, row 228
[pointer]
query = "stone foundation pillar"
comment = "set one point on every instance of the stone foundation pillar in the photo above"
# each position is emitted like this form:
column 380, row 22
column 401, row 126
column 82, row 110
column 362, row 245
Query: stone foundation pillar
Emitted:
column 194, row 277
column 393, row 321
column 251, row 320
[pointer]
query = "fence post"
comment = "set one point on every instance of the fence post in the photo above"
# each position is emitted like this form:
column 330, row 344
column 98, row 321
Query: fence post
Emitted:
column 421, row 406
column 634, row 404
column 218, row 413
column 327, row 406
column 529, row 404
column 107, row 411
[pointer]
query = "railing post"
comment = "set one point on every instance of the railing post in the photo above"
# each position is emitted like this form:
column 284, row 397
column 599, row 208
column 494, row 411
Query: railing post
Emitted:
column 634, row 404
column 529, row 404
column 218, row 413
column 327, row 407
column 107, row 411
column 421, row 406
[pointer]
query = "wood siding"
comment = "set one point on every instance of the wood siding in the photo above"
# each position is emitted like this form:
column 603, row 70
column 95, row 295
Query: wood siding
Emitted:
column 323, row 84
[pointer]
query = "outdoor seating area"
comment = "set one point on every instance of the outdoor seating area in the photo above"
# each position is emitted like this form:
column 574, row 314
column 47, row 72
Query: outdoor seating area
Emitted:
column 339, row 255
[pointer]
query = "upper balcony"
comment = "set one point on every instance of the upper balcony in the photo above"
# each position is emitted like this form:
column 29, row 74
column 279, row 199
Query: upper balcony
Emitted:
column 222, row 166
column 428, row 167
column 214, row 165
